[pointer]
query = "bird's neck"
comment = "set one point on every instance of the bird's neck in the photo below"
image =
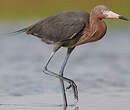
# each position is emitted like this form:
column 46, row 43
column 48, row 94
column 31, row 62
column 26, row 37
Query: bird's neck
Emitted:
column 97, row 27
column 94, row 22
column 93, row 32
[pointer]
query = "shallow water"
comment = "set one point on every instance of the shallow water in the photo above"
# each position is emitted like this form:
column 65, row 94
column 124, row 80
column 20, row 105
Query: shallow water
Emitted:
column 105, row 101
column 96, row 68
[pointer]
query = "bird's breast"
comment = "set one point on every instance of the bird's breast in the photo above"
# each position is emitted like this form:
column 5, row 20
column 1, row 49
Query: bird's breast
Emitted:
column 89, row 35
column 100, row 31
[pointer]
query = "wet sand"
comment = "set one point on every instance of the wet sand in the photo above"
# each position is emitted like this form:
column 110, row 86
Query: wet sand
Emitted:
column 108, row 101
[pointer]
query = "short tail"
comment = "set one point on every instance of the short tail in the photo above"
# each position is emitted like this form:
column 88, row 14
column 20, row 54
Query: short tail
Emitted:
column 15, row 32
column 21, row 31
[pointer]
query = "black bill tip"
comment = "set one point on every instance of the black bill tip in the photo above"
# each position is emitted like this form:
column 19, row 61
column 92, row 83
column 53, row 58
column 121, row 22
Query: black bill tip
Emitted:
column 123, row 18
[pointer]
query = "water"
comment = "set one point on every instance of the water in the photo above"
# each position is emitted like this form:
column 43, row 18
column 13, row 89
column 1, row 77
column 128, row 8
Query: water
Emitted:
column 98, row 68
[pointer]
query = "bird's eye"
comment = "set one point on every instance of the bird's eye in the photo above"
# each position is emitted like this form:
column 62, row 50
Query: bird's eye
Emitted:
column 104, row 11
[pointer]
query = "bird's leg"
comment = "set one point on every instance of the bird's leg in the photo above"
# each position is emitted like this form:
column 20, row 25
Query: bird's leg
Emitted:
column 71, row 82
column 52, row 54
column 61, row 81
column 74, row 87
column 55, row 49
column 61, row 73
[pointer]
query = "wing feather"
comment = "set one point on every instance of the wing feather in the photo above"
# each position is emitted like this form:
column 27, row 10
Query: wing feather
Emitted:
column 61, row 26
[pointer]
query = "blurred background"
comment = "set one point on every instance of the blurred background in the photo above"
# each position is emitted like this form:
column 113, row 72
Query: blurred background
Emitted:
column 101, row 66
column 14, row 9
column 34, row 9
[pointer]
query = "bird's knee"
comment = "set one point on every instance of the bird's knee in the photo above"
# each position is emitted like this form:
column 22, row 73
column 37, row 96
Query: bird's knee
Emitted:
column 45, row 70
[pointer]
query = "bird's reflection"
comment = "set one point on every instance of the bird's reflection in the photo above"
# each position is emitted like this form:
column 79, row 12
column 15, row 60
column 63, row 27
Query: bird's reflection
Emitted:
column 73, row 108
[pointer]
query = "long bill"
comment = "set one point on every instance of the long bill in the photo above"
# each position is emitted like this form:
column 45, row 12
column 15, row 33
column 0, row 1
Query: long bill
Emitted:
column 111, row 14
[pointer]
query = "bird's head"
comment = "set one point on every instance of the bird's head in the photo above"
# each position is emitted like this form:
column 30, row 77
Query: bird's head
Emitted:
column 102, row 12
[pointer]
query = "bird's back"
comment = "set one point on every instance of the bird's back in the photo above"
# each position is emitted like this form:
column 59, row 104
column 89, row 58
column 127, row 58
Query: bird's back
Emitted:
column 60, row 27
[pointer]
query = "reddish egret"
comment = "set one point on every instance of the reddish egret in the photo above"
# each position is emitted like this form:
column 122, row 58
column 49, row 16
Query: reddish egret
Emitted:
column 70, row 29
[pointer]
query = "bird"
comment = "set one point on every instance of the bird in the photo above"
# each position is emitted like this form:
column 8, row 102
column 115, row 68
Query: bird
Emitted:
column 70, row 29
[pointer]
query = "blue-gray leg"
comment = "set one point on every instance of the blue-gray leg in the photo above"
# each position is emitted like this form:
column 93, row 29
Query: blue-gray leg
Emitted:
column 61, row 73
column 71, row 82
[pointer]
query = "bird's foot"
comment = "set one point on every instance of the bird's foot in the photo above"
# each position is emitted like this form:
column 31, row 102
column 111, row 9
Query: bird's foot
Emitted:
column 74, row 88
column 68, row 87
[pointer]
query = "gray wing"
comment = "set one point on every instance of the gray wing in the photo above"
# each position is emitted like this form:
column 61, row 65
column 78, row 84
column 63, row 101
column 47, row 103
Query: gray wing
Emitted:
column 61, row 26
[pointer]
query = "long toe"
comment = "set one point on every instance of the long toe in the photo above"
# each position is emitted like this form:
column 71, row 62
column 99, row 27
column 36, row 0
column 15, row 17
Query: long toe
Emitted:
column 75, row 92
column 74, row 88
column 68, row 87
